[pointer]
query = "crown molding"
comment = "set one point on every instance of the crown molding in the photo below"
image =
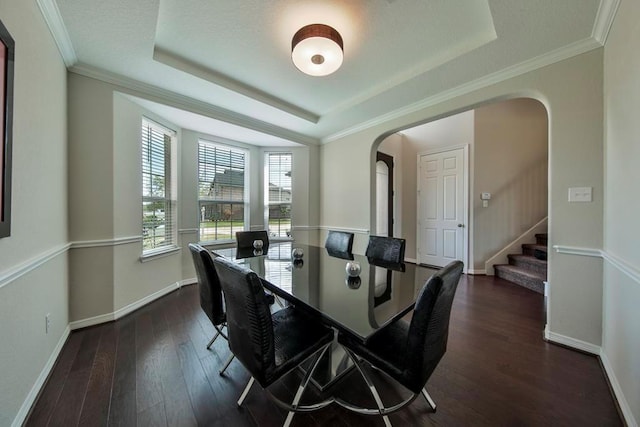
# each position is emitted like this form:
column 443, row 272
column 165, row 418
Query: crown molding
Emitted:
column 179, row 63
column 52, row 17
column 604, row 20
column 156, row 94
column 557, row 55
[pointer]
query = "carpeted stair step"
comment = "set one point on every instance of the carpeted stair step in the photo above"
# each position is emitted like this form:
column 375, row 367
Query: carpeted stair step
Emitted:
column 542, row 239
column 530, row 263
column 520, row 276
column 529, row 248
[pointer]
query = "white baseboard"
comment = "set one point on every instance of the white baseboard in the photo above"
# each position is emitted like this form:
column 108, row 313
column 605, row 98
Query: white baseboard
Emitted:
column 571, row 342
column 91, row 321
column 475, row 271
column 627, row 414
column 21, row 416
column 108, row 317
column 187, row 282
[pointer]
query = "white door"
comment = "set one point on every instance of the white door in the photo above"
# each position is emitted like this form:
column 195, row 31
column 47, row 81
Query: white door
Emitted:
column 441, row 207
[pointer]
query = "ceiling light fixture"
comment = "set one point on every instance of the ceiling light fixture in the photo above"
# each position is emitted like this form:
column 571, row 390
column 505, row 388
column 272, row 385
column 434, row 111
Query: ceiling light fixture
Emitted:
column 317, row 50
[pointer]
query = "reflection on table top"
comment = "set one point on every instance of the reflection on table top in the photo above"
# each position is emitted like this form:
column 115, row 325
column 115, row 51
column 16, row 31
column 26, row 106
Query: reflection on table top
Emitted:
column 320, row 281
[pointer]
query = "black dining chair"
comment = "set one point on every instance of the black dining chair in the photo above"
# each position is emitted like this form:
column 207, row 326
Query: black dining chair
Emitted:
column 269, row 345
column 339, row 244
column 383, row 250
column 245, row 239
column 211, row 299
column 408, row 353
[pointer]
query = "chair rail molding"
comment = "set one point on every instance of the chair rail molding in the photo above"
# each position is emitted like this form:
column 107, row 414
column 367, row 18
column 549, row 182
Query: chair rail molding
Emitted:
column 20, row 270
column 612, row 259
column 347, row 229
column 623, row 266
column 106, row 242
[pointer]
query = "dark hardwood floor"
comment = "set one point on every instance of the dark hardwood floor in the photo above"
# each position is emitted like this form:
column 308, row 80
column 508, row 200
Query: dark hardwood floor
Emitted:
column 152, row 368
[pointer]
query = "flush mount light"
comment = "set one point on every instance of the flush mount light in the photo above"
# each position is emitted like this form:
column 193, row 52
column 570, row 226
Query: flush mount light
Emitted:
column 316, row 50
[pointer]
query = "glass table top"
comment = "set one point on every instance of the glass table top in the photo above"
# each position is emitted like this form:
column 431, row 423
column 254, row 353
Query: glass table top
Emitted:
column 359, row 305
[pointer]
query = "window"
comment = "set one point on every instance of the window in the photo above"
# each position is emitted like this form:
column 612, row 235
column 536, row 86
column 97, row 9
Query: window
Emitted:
column 278, row 193
column 222, row 191
column 158, row 188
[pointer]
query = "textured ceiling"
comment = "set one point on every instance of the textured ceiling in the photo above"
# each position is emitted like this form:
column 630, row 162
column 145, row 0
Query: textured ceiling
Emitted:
column 230, row 60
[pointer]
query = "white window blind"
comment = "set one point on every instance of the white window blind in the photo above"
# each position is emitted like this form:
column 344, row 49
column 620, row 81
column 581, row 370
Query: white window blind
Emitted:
column 278, row 193
column 222, row 191
column 158, row 206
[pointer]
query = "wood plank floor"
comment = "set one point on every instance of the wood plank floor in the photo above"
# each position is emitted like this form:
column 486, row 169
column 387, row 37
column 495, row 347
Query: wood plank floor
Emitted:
column 152, row 368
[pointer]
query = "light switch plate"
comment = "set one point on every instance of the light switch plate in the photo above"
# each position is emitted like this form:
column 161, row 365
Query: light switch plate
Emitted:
column 580, row 194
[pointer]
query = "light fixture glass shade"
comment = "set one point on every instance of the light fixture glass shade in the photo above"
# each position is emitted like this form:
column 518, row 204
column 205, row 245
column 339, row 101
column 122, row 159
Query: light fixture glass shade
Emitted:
column 316, row 50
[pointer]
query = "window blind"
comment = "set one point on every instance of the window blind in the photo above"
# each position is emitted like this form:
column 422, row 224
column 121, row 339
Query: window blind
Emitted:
column 158, row 207
column 222, row 191
column 278, row 193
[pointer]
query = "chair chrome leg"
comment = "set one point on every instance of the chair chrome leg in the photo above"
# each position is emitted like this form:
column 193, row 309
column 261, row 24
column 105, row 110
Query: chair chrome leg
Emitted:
column 303, row 385
column 372, row 389
column 213, row 339
column 246, row 391
column 227, row 363
column 429, row 399
column 278, row 301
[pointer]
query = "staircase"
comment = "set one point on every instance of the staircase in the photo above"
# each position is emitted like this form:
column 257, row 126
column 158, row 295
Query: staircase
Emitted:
column 526, row 269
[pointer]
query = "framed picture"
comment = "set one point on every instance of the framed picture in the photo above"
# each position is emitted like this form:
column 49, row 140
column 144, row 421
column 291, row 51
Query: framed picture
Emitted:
column 7, row 47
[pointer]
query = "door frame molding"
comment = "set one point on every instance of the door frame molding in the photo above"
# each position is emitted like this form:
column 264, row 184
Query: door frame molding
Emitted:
column 466, row 234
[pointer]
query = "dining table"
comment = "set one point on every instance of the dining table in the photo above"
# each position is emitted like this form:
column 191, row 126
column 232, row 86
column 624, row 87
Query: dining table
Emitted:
column 347, row 291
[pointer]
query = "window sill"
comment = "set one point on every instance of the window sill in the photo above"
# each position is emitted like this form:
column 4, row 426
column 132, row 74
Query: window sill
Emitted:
column 281, row 239
column 218, row 243
column 159, row 253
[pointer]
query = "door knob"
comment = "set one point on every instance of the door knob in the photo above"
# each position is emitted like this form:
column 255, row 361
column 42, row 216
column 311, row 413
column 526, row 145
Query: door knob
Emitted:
column 461, row 225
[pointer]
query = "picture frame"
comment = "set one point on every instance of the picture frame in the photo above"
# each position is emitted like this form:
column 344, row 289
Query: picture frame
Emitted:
column 7, row 58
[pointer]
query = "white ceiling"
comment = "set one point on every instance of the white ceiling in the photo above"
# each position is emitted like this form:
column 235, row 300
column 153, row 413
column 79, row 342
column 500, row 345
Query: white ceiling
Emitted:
column 230, row 60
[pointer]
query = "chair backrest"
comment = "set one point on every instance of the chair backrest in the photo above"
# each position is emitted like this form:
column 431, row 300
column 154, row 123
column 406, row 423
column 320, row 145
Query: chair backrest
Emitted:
column 249, row 324
column 429, row 328
column 245, row 239
column 208, row 284
column 385, row 250
column 339, row 243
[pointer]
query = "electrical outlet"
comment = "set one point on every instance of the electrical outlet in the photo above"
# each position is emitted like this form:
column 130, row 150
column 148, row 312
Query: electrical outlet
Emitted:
column 47, row 326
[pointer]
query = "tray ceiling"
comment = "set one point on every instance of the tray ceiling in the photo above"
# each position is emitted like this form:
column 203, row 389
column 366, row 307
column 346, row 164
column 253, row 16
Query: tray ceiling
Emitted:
column 231, row 61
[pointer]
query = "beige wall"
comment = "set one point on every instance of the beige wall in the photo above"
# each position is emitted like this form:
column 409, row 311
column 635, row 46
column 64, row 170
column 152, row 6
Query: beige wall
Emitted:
column 33, row 260
column 570, row 90
column 621, row 338
column 508, row 158
column 106, row 273
column 510, row 162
